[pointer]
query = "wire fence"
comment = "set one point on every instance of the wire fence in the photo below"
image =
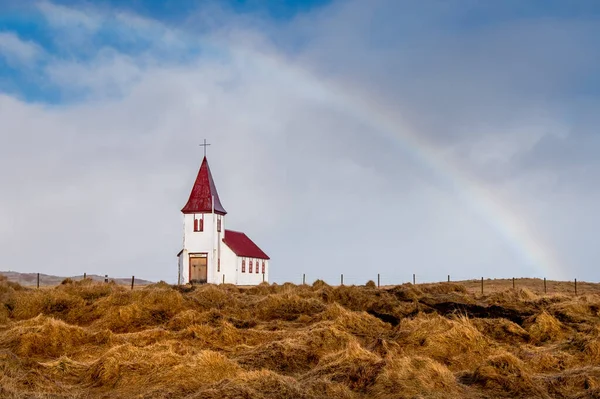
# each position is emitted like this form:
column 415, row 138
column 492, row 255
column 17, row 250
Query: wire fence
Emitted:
column 477, row 285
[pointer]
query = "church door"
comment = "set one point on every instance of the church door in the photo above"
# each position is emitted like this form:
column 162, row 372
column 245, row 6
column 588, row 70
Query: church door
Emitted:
column 198, row 268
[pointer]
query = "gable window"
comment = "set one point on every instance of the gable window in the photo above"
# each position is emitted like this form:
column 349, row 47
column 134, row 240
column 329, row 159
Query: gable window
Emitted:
column 263, row 266
column 243, row 265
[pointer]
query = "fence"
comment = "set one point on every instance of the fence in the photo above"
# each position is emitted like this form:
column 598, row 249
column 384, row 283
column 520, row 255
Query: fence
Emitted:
column 474, row 285
column 479, row 285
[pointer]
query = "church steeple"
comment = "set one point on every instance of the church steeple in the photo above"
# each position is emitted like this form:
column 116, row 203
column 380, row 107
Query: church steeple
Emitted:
column 203, row 192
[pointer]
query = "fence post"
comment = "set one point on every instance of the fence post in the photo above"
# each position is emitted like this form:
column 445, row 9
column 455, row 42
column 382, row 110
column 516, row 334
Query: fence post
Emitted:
column 448, row 278
column 342, row 279
column 106, row 278
column 263, row 277
column 84, row 276
column 545, row 291
column 575, row 286
column 303, row 278
column 38, row 280
column 482, row 286
column 378, row 280
column 224, row 278
column 513, row 283
column 132, row 281
column 414, row 279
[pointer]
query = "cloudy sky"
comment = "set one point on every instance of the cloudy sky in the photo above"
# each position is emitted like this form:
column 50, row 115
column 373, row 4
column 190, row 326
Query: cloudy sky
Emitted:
column 355, row 137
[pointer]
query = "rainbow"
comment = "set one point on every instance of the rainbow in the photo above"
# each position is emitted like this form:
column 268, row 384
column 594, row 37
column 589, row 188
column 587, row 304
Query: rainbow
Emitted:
column 494, row 210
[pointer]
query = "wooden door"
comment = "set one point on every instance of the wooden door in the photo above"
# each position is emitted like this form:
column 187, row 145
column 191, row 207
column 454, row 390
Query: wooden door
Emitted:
column 198, row 268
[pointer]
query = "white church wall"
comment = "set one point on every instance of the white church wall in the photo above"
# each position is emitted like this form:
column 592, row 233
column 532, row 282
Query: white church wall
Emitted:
column 209, row 241
column 251, row 278
column 206, row 241
column 228, row 265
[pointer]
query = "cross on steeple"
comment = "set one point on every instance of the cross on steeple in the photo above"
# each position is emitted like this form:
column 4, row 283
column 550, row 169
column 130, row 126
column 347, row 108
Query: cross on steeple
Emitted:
column 204, row 145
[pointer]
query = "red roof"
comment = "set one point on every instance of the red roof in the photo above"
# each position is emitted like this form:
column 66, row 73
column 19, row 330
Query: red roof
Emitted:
column 241, row 245
column 202, row 193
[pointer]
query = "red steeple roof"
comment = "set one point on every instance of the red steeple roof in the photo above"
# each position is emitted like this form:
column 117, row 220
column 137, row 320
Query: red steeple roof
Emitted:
column 242, row 245
column 202, row 193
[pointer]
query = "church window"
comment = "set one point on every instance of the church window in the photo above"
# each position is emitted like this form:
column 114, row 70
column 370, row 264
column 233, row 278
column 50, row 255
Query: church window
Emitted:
column 263, row 267
column 250, row 266
column 219, row 224
column 199, row 224
column 243, row 265
column 257, row 266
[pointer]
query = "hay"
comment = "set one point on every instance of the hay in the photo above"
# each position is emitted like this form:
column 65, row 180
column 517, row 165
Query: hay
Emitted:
column 158, row 366
column 263, row 384
column 47, row 338
column 210, row 296
column 544, row 328
column 502, row 330
column 87, row 339
column 455, row 343
column 360, row 324
column 355, row 367
column 287, row 307
column 512, row 296
column 409, row 377
column 505, row 374
column 297, row 353
column 584, row 381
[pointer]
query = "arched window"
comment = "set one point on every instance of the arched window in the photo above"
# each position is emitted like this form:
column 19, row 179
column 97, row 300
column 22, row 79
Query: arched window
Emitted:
column 250, row 266
column 243, row 265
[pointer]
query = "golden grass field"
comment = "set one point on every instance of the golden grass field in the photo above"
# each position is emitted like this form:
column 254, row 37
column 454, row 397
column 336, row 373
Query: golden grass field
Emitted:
column 94, row 340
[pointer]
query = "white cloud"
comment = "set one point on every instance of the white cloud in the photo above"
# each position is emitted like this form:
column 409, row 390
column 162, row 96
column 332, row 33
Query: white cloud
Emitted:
column 63, row 17
column 18, row 52
column 314, row 180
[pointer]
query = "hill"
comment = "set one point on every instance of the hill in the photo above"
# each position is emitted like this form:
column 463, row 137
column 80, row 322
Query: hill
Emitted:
column 88, row 339
column 30, row 279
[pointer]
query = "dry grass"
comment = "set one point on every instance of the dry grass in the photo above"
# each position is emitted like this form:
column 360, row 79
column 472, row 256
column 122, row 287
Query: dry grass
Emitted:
column 92, row 340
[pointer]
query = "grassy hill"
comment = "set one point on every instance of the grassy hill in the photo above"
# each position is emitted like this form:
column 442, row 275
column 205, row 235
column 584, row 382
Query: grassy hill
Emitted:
column 30, row 279
column 88, row 339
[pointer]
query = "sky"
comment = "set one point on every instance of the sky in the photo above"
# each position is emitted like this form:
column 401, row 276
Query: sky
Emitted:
column 359, row 137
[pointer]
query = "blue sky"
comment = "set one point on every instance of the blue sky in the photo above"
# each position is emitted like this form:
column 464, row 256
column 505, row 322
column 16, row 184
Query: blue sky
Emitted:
column 454, row 137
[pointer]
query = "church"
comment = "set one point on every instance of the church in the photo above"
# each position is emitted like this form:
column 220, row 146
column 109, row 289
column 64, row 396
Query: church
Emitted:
column 211, row 253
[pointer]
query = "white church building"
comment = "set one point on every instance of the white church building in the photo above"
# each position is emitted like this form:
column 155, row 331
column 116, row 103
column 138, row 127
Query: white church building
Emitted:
column 211, row 253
